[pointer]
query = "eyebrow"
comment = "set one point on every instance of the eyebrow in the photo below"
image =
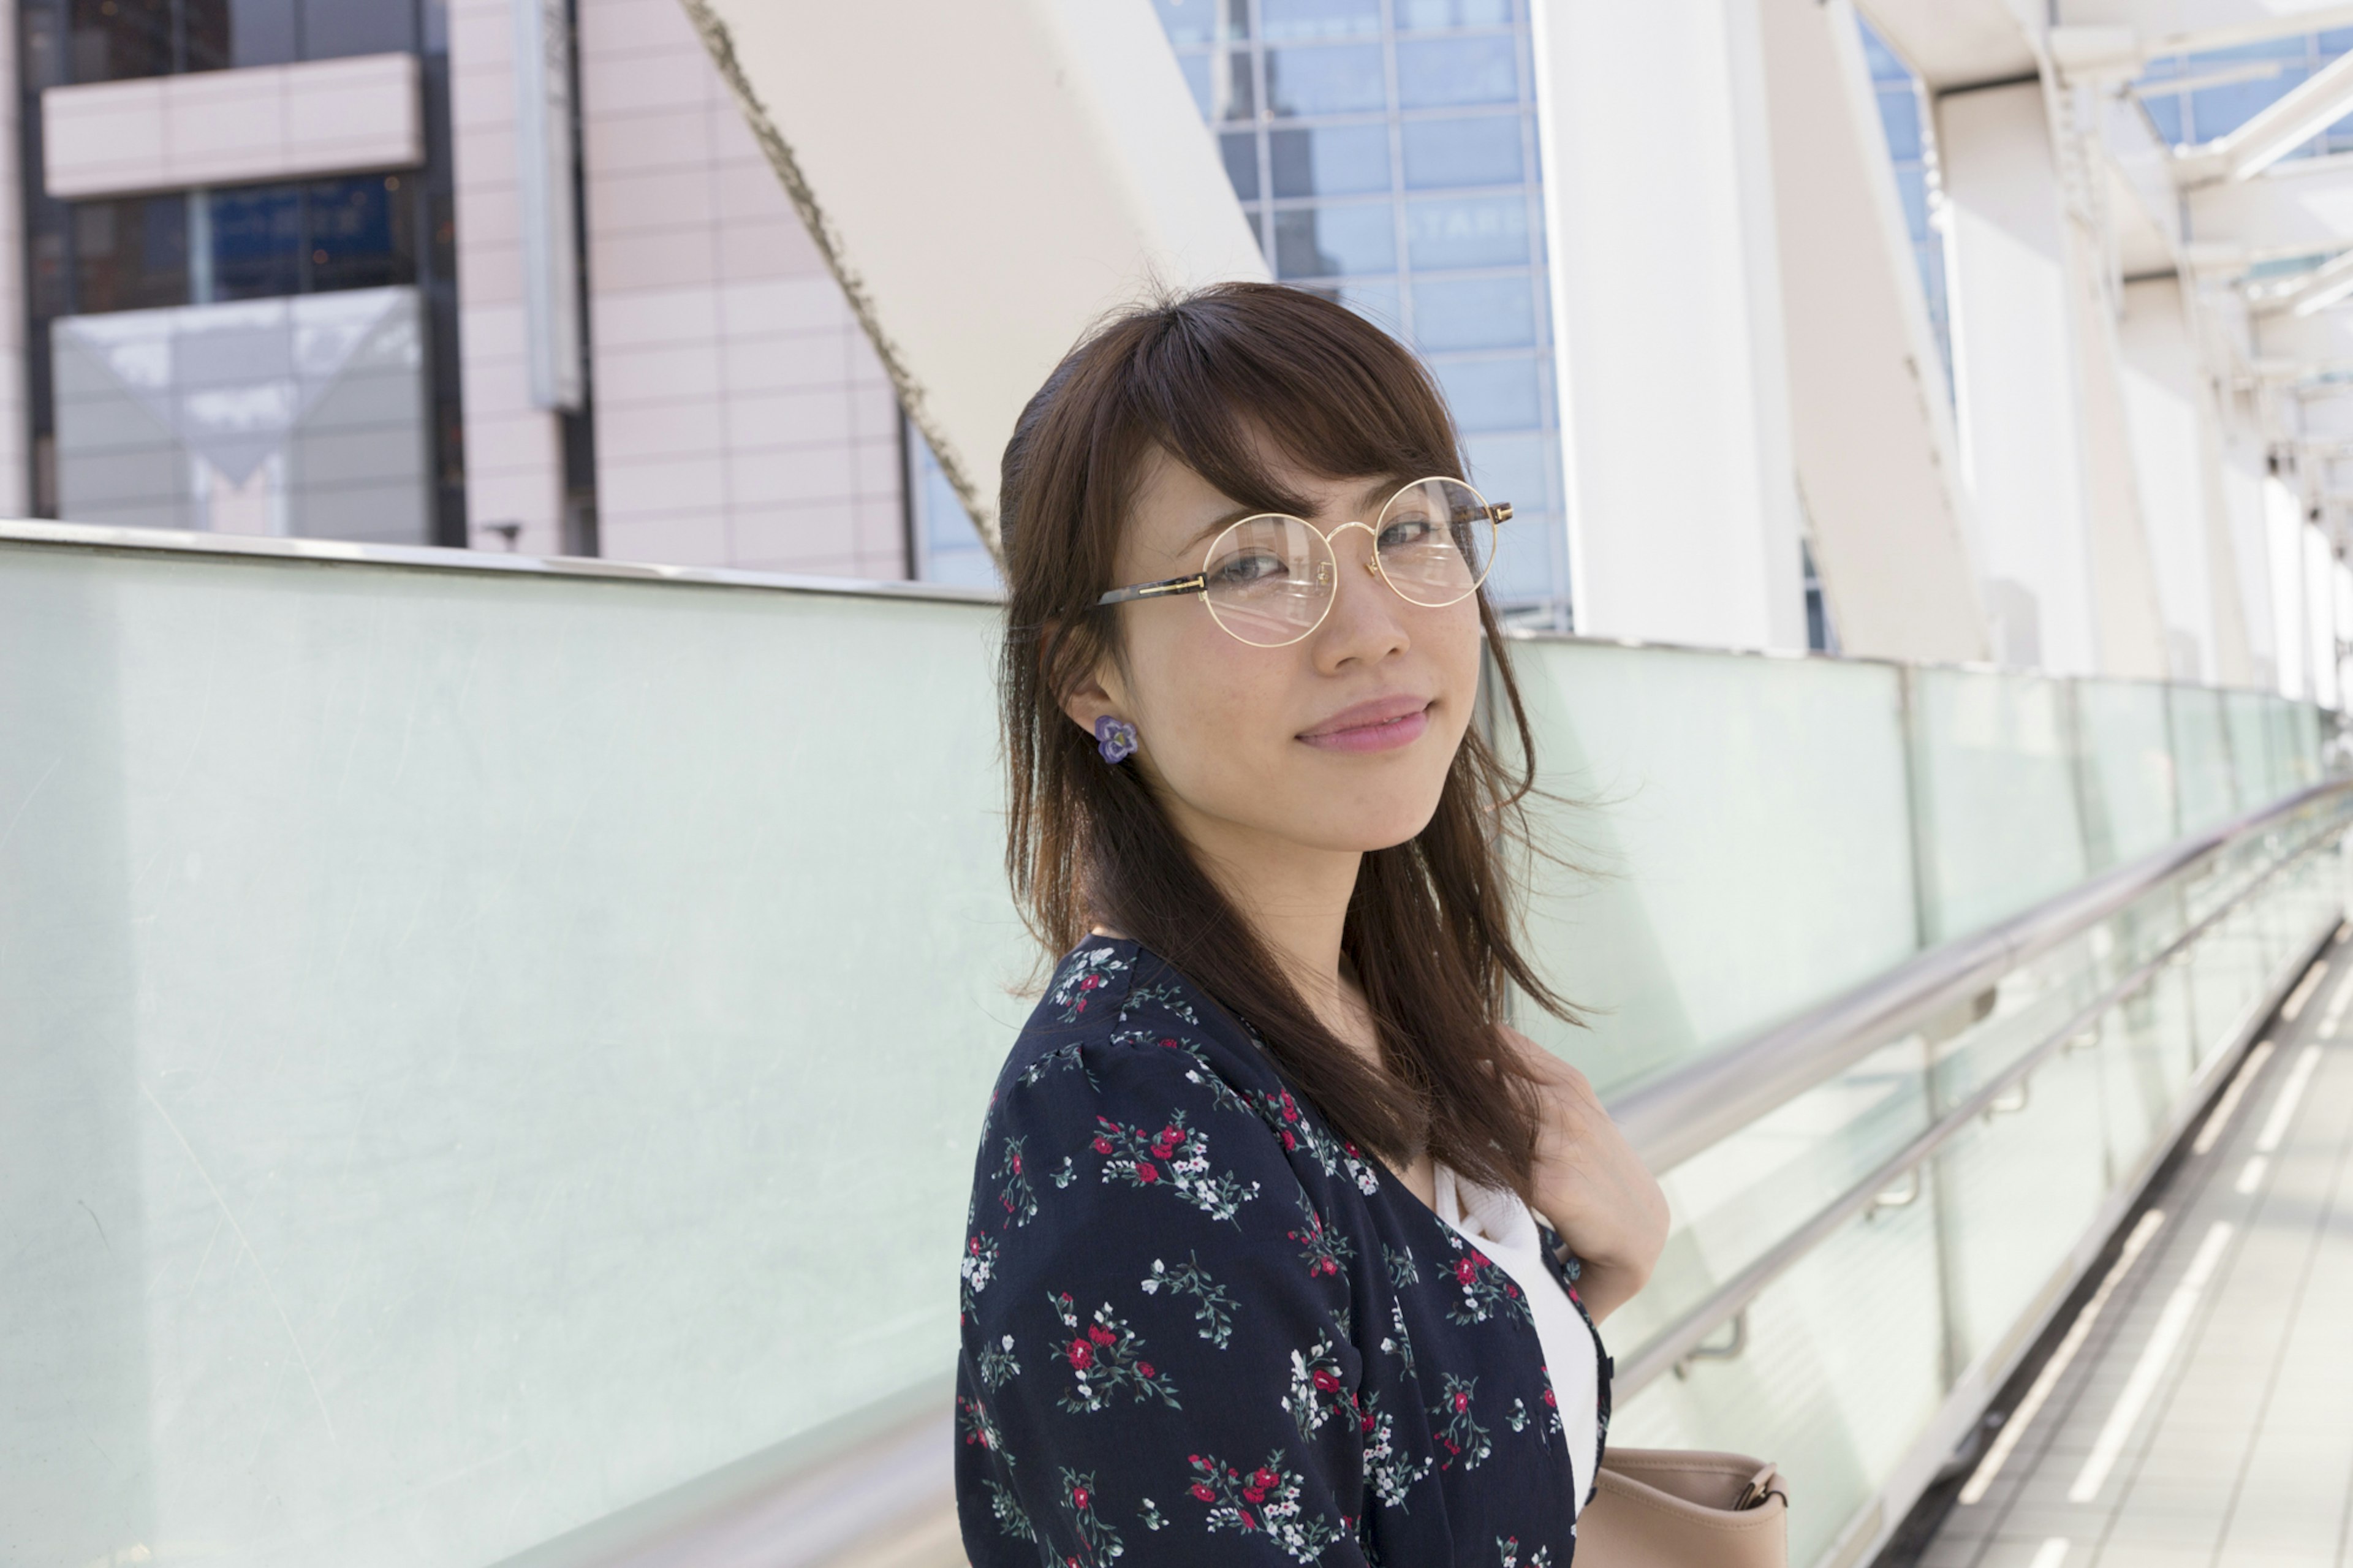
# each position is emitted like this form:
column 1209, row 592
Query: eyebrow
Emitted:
column 1380, row 488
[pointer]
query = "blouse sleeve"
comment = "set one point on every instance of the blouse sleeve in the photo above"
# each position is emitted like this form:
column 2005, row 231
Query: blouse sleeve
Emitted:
column 1155, row 1359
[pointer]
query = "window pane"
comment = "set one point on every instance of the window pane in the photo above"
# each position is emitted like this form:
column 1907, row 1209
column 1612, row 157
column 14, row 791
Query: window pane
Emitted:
column 260, row 32
column 360, row 233
column 131, row 254
column 115, row 39
column 257, row 242
column 1201, row 22
column 1510, row 467
column 1197, row 79
column 1467, row 231
column 1473, row 313
column 1426, row 15
column 334, row 29
column 1334, row 79
column 2165, row 113
column 1899, row 113
column 1434, row 72
column 1376, row 302
column 1322, row 242
column 1330, row 160
column 1288, row 20
column 1239, row 151
column 1912, row 185
column 1886, row 66
column 1230, row 85
column 2219, row 111
column 1493, row 394
column 1483, row 152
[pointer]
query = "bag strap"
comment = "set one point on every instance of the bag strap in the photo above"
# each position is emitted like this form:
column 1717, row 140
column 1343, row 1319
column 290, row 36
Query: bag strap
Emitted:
column 1766, row 1483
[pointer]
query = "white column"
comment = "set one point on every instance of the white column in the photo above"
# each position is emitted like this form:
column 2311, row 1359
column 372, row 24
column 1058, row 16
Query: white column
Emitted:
column 1683, row 519
column 1870, row 416
column 2015, row 344
column 2320, row 569
column 2160, row 400
column 2282, row 520
column 16, row 460
column 984, row 181
column 514, row 451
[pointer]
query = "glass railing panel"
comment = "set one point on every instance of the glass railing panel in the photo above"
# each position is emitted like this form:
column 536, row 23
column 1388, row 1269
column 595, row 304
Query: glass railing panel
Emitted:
column 1842, row 1367
column 1734, row 1201
column 2004, row 1206
column 1746, row 821
column 451, row 1015
column 2127, row 769
column 2248, row 715
column 1993, row 766
column 2017, row 1191
column 2202, row 757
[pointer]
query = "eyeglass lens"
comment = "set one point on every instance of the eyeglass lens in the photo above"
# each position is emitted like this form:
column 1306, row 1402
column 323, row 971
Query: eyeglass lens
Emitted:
column 1270, row 577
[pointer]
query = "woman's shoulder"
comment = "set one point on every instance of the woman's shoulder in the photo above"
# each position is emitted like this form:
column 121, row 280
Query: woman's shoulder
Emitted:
column 1118, row 1022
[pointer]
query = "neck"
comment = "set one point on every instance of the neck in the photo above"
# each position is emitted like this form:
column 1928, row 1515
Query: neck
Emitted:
column 1295, row 897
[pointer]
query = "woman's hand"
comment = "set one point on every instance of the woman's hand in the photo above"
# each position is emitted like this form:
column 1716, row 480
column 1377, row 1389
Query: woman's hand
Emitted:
column 1591, row 1185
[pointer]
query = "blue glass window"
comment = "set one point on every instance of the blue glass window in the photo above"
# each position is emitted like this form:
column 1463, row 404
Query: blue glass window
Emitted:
column 1338, row 79
column 1467, row 231
column 1899, row 115
column 1197, row 77
column 1509, row 467
column 1493, row 394
column 1288, row 21
column 1912, row 185
column 2165, row 113
column 1376, row 301
column 1203, row 21
column 359, row 233
column 1435, row 72
column 2219, row 111
column 1239, row 151
column 1242, row 97
column 1885, row 65
column 257, row 242
column 1482, row 151
column 1435, row 15
column 1330, row 160
column 1322, row 242
column 1475, row 313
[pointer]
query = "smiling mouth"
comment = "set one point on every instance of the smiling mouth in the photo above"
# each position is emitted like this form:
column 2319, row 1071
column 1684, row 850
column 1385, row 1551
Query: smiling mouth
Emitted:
column 1378, row 735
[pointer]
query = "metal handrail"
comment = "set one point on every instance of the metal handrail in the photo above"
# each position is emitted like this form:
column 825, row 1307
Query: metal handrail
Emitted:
column 1671, row 1118
column 1728, row 1302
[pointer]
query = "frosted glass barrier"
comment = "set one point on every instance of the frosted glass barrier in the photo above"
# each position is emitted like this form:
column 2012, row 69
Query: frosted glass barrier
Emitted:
column 2201, row 758
column 2248, row 716
column 1860, row 1360
column 1746, row 821
column 1994, row 765
column 2127, row 764
column 481, row 1051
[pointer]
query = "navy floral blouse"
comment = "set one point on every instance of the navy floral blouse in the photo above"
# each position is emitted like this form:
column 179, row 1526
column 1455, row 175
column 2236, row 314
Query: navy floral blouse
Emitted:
column 1199, row 1327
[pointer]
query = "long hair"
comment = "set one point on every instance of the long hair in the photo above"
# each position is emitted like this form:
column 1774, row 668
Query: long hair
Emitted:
column 1430, row 926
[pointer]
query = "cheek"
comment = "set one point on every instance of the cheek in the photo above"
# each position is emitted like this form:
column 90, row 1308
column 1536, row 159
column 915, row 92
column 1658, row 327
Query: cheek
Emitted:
column 1205, row 702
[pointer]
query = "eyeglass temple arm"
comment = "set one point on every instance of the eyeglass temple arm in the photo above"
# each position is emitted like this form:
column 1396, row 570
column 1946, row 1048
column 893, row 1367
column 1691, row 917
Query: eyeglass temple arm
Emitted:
column 1161, row 589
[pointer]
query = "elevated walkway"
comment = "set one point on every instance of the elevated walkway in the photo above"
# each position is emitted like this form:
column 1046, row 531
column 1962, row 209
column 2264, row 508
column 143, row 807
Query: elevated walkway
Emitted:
column 2196, row 1406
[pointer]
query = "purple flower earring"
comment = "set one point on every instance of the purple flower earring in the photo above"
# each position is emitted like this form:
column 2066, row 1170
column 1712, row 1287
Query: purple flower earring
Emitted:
column 1115, row 738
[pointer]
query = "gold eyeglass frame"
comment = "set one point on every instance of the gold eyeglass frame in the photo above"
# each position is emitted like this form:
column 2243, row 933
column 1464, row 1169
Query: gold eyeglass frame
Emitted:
column 1169, row 587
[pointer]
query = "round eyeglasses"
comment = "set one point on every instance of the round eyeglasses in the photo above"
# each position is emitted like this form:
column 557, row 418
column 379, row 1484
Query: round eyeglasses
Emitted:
column 1270, row 579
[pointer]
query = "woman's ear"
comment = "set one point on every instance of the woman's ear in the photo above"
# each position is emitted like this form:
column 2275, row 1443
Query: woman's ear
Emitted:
column 1097, row 692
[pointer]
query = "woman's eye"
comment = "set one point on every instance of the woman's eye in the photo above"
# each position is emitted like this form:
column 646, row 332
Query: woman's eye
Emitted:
column 1241, row 570
column 1403, row 532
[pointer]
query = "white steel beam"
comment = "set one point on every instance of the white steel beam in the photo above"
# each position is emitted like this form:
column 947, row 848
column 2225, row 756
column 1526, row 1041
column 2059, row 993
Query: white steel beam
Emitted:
column 1870, row 413
column 984, row 181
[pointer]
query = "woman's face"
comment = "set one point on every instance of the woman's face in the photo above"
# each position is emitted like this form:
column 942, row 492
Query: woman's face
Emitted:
column 1340, row 740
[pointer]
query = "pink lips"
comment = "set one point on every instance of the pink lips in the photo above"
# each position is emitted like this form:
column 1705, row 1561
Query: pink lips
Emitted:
column 1380, row 725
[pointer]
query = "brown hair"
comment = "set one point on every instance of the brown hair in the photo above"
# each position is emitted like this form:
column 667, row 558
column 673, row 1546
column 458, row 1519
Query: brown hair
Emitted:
column 1429, row 926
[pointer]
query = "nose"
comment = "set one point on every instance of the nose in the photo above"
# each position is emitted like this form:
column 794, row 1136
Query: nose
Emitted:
column 1364, row 621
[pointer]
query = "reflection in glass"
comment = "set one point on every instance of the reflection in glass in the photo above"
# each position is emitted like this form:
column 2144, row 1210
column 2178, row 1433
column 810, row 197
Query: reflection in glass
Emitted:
column 1475, row 313
column 1492, row 394
column 1321, row 242
column 1330, row 160
column 1482, row 151
column 1428, row 15
column 1435, row 72
column 1239, row 151
column 1290, row 20
column 1467, row 231
column 130, row 253
column 1338, row 79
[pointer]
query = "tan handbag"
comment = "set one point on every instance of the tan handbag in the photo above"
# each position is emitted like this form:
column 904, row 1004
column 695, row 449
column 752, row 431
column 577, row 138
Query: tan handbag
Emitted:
column 1684, row 1508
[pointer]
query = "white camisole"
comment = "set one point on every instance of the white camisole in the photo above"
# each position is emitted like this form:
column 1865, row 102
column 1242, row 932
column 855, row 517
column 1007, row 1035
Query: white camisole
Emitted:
column 1501, row 1226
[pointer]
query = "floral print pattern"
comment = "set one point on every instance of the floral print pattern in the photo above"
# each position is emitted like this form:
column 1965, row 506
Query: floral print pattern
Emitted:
column 1165, row 1363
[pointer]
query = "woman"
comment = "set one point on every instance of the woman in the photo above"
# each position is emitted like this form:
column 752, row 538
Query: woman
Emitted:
column 1282, row 1246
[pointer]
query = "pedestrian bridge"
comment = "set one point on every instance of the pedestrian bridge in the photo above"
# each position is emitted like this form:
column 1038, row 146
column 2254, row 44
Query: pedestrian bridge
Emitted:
column 494, row 1046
